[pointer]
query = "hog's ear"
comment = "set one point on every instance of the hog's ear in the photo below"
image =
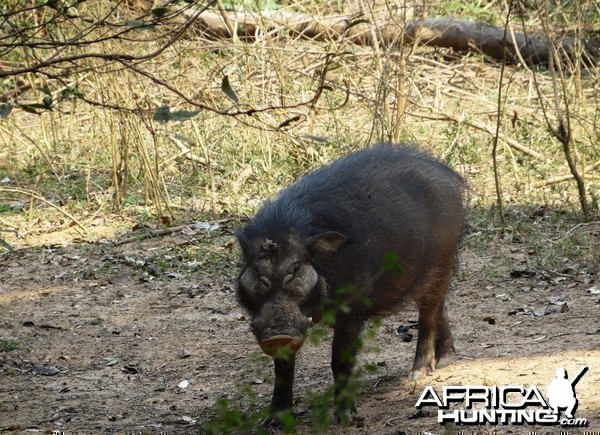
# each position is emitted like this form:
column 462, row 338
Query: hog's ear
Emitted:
column 326, row 243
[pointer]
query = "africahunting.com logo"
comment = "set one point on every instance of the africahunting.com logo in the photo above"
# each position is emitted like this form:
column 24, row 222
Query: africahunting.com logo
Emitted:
column 513, row 404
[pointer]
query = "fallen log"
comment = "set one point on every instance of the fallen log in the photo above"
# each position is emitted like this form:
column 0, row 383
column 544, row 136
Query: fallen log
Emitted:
column 460, row 35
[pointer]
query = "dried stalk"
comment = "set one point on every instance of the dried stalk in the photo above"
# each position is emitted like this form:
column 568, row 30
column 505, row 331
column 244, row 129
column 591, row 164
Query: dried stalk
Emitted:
column 486, row 128
column 34, row 195
column 562, row 131
column 561, row 178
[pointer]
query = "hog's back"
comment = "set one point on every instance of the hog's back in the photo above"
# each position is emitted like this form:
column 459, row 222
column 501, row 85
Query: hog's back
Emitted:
column 384, row 199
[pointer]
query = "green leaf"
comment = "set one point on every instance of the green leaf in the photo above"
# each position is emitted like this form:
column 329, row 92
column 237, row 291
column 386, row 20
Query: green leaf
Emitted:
column 329, row 318
column 52, row 4
column 47, row 101
column 164, row 114
column 27, row 108
column 288, row 421
column 370, row 367
column 6, row 246
column 5, row 109
column 391, row 264
column 228, row 90
column 8, row 345
column 183, row 115
column 159, row 12
column 289, row 121
column 31, row 108
column 135, row 23
column 70, row 92
column 35, row 106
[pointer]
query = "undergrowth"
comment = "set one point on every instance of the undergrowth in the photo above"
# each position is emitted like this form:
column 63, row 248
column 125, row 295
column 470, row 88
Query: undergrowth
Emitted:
column 94, row 159
column 164, row 160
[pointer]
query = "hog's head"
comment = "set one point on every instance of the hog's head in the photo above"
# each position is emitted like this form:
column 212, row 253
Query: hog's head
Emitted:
column 281, row 287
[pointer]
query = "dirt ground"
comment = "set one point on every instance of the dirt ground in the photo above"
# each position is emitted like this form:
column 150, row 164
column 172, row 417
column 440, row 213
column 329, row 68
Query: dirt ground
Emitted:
column 108, row 334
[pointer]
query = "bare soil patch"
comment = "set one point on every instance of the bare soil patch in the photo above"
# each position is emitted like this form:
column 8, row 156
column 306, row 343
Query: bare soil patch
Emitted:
column 106, row 334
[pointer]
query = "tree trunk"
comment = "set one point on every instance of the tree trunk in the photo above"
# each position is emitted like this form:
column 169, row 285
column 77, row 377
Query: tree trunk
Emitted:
column 460, row 35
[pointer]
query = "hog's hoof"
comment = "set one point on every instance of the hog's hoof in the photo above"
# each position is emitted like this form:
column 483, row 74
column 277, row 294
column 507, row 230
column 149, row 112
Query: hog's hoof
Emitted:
column 343, row 417
column 420, row 373
column 278, row 417
column 270, row 421
column 273, row 420
column 443, row 361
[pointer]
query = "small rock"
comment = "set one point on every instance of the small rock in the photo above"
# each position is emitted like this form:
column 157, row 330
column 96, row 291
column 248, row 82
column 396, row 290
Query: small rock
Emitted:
column 402, row 329
column 45, row 371
column 548, row 309
column 119, row 279
column 188, row 420
column 153, row 270
column 184, row 353
column 503, row 297
column 593, row 290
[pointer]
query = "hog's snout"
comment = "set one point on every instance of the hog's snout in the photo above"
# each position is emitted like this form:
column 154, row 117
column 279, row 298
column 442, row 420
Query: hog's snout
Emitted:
column 280, row 325
column 278, row 343
column 276, row 336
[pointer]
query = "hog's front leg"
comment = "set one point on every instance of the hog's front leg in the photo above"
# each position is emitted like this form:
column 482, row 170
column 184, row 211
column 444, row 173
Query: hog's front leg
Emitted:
column 283, row 395
column 346, row 342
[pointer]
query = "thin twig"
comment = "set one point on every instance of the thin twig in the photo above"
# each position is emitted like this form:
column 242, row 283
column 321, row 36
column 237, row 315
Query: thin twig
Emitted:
column 163, row 232
column 479, row 126
column 499, row 113
column 179, row 140
column 568, row 177
column 226, row 19
column 45, row 201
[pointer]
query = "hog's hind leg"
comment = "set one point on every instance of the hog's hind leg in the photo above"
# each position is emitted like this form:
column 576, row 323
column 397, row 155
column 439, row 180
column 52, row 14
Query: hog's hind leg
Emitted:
column 435, row 339
column 444, row 343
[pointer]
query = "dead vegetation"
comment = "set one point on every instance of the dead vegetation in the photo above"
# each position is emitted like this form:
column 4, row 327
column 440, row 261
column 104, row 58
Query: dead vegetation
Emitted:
column 123, row 152
column 219, row 124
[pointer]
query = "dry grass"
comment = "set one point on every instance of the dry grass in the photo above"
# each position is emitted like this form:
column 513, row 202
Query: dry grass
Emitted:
column 89, row 172
column 89, row 159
